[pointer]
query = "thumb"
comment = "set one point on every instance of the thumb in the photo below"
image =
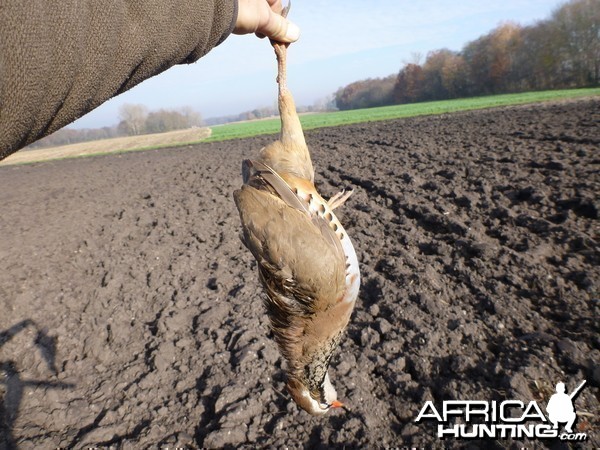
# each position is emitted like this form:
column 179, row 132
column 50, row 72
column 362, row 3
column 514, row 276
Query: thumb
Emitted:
column 280, row 29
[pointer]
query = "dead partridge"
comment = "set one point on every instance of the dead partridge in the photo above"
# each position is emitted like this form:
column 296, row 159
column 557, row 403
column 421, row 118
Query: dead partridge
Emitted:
column 306, row 261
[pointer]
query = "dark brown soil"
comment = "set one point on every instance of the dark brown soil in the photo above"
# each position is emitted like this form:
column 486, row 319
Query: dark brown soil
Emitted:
column 131, row 315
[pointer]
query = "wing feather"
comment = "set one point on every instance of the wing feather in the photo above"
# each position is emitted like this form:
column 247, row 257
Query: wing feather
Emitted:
column 253, row 169
column 296, row 260
column 256, row 174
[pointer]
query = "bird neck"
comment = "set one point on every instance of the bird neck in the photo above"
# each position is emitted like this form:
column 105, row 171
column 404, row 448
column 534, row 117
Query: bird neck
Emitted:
column 314, row 373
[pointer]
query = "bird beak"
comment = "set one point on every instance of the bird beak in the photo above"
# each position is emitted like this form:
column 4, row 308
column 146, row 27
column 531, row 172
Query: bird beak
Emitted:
column 336, row 404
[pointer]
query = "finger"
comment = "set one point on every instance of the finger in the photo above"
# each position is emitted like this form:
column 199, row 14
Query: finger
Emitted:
column 280, row 29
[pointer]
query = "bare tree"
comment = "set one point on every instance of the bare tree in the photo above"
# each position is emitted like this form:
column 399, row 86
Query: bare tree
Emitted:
column 193, row 117
column 133, row 118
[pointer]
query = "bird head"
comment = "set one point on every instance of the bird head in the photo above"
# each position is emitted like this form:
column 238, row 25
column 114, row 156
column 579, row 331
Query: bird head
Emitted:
column 315, row 405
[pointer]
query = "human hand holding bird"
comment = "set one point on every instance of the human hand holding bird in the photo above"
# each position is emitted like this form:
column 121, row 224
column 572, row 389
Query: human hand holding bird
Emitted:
column 306, row 261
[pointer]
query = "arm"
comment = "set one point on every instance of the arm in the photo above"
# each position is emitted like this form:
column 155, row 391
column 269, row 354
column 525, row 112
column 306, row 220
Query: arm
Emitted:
column 59, row 60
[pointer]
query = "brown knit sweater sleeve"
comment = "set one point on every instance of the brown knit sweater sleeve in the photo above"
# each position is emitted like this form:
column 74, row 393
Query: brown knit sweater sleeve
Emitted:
column 61, row 59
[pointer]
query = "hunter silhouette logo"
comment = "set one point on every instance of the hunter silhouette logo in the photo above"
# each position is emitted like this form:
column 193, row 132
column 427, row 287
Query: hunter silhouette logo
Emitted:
column 480, row 419
column 560, row 407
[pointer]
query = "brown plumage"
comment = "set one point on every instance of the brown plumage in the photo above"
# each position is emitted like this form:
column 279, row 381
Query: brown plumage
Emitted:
column 306, row 261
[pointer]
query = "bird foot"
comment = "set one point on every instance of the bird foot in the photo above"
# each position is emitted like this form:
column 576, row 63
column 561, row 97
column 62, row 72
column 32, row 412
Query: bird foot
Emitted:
column 339, row 199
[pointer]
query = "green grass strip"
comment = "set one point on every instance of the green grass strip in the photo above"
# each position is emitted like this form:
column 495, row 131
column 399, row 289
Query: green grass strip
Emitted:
column 332, row 119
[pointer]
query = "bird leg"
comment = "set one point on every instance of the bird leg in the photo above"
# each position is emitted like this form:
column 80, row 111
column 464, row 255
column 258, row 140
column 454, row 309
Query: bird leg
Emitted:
column 281, row 53
column 339, row 199
column 292, row 136
column 289, row 154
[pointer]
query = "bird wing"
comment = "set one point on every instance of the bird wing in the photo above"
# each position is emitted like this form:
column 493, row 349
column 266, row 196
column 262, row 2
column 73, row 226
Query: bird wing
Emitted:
column 251, row 170
column 261, row 176
column 298, row 264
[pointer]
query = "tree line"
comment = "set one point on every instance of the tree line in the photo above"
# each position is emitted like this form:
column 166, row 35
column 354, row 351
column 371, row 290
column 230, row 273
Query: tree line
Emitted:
column 320, row 105
column 562, row 51
column 135, row 119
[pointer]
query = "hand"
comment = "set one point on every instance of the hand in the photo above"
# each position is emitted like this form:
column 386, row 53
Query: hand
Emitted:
column 263, row 17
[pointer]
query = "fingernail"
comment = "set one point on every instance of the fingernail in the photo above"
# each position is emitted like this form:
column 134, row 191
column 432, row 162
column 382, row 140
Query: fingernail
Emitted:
column 293, row 32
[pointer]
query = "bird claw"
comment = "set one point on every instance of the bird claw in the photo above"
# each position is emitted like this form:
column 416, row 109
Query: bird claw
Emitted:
column 339, row 199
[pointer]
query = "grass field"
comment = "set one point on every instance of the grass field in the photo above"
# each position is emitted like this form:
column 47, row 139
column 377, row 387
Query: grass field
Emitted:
column 322, row 120
column 309, row 121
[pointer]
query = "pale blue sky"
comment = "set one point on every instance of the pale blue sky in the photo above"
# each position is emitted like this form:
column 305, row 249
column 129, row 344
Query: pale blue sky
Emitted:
column 341, row 42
